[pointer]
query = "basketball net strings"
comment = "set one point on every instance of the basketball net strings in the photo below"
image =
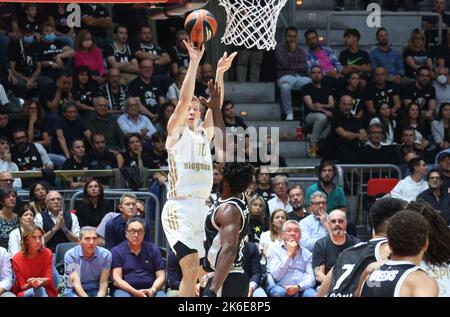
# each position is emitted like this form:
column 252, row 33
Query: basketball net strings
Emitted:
column 251, row 23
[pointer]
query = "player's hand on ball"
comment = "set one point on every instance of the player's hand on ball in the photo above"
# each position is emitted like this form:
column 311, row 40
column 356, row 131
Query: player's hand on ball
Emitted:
column 195, row 55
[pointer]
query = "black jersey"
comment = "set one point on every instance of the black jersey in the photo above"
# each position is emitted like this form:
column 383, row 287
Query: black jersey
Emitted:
column 212, row 243
column 350, row 265
column 388, row 279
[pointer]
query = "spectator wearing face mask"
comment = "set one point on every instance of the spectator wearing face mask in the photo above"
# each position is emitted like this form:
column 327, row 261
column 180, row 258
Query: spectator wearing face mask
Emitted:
column 442, row 86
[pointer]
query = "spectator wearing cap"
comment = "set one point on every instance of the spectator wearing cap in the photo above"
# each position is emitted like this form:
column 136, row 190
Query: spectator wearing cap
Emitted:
column 435, row 194
column 6, row 164
column 443, row 161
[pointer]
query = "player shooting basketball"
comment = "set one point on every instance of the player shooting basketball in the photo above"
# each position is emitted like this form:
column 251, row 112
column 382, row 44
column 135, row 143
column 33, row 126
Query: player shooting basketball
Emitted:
column 190, row 169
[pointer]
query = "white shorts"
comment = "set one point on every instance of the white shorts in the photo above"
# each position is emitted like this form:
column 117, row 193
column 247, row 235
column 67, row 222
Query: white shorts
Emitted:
column 183, row 221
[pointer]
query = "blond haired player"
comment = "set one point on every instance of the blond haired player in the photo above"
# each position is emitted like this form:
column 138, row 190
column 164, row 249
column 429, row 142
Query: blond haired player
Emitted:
column 190, row 169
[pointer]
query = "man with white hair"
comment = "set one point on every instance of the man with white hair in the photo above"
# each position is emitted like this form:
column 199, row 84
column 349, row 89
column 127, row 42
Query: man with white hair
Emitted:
column 280, row 200
column 59, row 225
column 290, row 265
column 327, row 249
column 133, row 122
column 316, row 225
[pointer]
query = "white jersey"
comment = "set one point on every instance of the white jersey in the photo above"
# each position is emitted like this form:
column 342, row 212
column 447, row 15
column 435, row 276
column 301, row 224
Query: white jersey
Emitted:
column 442, row 276
column 190, row 166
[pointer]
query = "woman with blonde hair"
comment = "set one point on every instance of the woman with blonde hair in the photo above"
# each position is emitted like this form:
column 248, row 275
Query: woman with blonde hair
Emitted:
column 257, row 220
column 273, row 235
column 415, row 54
column 33, row 266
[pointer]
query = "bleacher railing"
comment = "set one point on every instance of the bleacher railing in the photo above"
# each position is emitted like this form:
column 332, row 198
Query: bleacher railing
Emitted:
column 353, row 179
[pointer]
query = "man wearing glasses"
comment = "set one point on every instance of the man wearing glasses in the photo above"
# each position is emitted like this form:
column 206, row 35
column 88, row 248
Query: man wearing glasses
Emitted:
column 435, row 194
column 327, row 249
column 316, row 225
column 137, row 266
column 280, row 199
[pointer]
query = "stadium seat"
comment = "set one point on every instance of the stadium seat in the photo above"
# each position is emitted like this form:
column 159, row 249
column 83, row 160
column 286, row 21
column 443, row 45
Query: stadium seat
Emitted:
column 61, row 250
column 380, row 186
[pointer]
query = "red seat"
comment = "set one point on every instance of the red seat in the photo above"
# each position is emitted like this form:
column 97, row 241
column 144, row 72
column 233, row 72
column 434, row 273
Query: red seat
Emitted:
column 380, row 186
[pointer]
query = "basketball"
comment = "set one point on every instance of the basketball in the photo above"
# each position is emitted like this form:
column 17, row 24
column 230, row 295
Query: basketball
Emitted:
column 201, row 26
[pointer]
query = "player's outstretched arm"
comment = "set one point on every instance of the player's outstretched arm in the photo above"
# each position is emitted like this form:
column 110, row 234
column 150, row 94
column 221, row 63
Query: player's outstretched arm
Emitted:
column 217, row 124
column 178, row 118
column 228, row 218
column 325, row 286
column 223, row 65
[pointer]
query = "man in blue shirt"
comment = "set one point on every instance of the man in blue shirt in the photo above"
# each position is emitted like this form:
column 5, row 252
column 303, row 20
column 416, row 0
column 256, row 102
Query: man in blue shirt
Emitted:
column 115, row 228
column 384, row 56
column 290, row 265
column 137, row 266
column 316, row 225
column 87, row 267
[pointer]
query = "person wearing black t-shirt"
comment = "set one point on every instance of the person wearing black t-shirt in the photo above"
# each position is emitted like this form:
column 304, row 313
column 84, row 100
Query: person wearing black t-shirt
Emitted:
column 147, row 49
column 319, row 102
column 30, row 19
column 231, row 120
column 149, row 92
column 158, row 157
column 25, row 67
column 52, row 53
column 354, row 59
column 68, row 127
column 264, row 181
column 76, row 162
column 113, row 91
column 96, row 18
column 134, row 156
column 53, row 97
column 374, row 152
column 5, row 125
column 93, row 207
column 119, row 55
column 179, row 56
column 99, row 158
column 381, row 91
column 348, row 133
column 297, row 201
column 327, row 249
column 421, row 92
column 58, row 16
column 361, row 107
column 201, row 86
column 84, row 90
column 415, row 54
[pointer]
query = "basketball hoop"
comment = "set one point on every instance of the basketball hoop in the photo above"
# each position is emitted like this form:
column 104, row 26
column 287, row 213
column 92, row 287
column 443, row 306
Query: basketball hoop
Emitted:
column 252, row 23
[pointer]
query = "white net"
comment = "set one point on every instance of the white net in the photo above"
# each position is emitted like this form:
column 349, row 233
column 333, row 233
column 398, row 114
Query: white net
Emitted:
column 252, row 23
